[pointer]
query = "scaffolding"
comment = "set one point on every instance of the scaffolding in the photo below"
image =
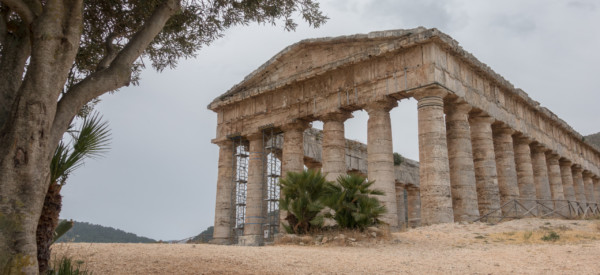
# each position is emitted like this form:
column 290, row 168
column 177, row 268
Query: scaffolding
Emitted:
column 240, row 178
column 272, row 140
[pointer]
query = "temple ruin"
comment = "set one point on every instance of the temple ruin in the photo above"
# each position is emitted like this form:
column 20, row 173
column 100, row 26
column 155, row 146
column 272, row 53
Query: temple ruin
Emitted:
column 486, row 150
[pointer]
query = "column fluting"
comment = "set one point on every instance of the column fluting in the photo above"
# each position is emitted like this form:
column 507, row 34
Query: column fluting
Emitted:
column 224, row 208
column 334, row 145
column 484, row 158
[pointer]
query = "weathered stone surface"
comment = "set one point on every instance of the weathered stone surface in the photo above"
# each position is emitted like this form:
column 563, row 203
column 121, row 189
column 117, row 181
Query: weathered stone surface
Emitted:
column 525, row 171
column 556, row 186
column 413, row 205
column 484, row 158
column 567, row 179
column 460, row 157
column 380, row 157
column 254, row 201
column 400, row 206
column 540, row 175
column 224, row 206
column 596, row 180
column 578, row 184
column 588, row 184
column 436, row 198
column 505, row 163
column 334, row 145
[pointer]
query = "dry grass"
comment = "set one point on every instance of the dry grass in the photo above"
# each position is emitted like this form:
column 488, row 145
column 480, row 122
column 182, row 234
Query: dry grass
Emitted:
column 547, row 233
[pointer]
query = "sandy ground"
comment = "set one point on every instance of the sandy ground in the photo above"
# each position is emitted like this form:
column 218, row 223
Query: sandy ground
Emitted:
column 513, row 247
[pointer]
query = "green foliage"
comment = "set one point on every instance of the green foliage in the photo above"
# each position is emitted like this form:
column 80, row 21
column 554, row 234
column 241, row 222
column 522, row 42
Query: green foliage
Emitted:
column 90, row 233
column 205, row 236
column 301, row 193
column 551, row 237
column 65, row 266
column 63, row 227
column 398, row 159
column 90, row 141
column 353, row 202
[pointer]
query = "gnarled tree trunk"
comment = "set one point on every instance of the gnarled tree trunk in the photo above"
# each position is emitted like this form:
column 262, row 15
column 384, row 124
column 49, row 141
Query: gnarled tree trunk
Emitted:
column 47, row 225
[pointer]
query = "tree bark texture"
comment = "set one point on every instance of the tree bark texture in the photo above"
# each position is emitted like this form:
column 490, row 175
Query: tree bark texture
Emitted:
column 47, row 225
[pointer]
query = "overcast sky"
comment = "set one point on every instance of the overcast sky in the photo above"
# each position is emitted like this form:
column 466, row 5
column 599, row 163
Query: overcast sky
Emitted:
column 159, row 178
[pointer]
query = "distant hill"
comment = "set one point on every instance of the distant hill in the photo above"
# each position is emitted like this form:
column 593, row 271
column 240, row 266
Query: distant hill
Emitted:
column 83, row 232
column 203, row 237
column 594, row 140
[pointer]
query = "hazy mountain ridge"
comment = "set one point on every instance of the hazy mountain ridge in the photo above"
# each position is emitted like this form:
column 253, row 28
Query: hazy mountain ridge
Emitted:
column 83, row 232
column 593, row 139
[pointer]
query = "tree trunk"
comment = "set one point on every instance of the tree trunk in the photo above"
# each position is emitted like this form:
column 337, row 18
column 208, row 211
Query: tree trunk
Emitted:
column 47, row 225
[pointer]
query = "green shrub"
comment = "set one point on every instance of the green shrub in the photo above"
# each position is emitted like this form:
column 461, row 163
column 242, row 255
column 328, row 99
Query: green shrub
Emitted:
column 300, row 194
column 398, row 159
column 551, row 237
column 65, row 266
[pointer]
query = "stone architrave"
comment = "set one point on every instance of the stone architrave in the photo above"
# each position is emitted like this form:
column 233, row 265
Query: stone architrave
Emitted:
column 292, row 155
column 525, row 172
column 460, row 157
column 588, row 184
column 380, row 157
column 540, row 176
column 556, row 185
column 566, row 174
column 436, row 197
column 484, row 158
column 400, row 208
column 413, row 206
column 578, row 184
column 255, row 205
column 334, row 145
column 224, row 208
column 505, row 164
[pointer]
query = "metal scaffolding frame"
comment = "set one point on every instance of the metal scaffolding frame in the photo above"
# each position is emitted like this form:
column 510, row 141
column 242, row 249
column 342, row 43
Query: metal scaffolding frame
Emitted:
column 240, row 178
column 516, row 209
column 272, row 140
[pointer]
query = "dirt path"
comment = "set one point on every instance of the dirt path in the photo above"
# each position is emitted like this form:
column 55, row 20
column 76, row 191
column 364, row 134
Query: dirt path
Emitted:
column 513, row 247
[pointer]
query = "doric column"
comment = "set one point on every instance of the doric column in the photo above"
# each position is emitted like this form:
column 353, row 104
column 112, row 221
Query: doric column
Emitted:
column 254, row 196
column 525, row 172
column 380, row 157
column 597, row 189
column 567, row 179
column 413, row 206
column 578, row 184
column 292, row 156
column 224, row 208
column 436, row 197
column 588, row 184
column 334, row 145
column 400, row 208
column 460, row 158
column 540, row 175
column 555, row 180
column 484, row 158
column 505, row 163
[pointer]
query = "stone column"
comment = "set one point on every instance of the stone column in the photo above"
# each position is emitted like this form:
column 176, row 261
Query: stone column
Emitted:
column 253, row 234
column 413, row 206
column 588, row 184
column 334, row 145
column 460, row 157
column 555, row 180
column 484, row 158
column 597, row 189
column 380, row 157
column 505, row 164
column 224, row 207
column 434, row 169
column 400, row 208
column 567, row 179
column 525, row 172
column 292, row 156
column 540, row 175
column 578, row 184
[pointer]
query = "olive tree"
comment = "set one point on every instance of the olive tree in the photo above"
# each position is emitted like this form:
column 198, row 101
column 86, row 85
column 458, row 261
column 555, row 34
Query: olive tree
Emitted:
column 57, row 56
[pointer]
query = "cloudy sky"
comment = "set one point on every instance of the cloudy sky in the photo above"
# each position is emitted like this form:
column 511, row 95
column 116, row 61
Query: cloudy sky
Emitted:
column 159, row 179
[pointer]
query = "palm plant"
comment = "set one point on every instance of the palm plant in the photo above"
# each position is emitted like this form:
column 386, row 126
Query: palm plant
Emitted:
column 300, row 194
column 91, row 140
column 355, row 204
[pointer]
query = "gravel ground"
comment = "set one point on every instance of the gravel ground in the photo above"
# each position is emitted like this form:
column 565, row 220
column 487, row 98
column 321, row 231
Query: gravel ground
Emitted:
column 513, row 247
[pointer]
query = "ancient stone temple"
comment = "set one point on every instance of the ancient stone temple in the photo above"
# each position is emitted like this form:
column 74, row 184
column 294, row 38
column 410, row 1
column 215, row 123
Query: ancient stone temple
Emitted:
column 485, row 147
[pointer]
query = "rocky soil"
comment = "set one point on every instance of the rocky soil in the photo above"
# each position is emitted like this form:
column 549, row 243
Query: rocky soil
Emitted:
column 528, row 246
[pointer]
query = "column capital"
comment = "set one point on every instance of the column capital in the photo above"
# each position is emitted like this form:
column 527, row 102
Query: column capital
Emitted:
column 430, row 93
column 565, row 162
column 381, row 105
column 338, row 115
column 587, row 173
column 254, row 136
column 502, row 129
column 538, row 147
column 596, row 177
column 522, row 139
column 552, row 156
column 223, row 142
column 482, row 117
column 577, row 168
column 456, row 109
column 296, row 124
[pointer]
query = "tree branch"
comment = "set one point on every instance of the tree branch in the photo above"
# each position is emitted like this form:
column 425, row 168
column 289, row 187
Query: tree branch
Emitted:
column 15, row 51
column 21, row 8
column 117, row 75
column 111, row 52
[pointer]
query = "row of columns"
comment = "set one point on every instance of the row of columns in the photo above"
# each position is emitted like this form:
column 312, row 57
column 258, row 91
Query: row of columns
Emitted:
column 469, row 165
